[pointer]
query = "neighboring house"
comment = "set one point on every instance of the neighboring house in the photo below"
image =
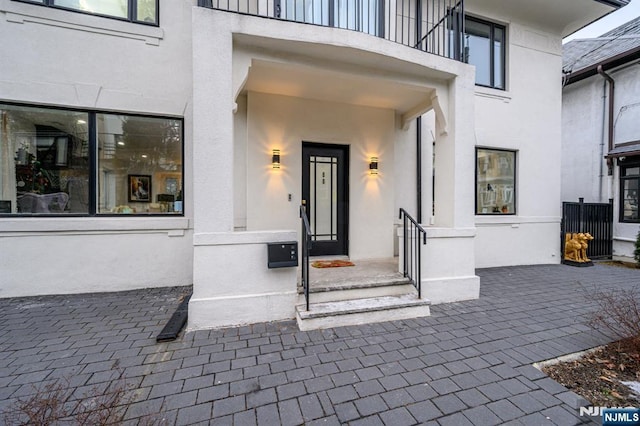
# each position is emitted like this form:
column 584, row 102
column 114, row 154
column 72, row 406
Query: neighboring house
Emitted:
column 165, row 142
column 600, row 130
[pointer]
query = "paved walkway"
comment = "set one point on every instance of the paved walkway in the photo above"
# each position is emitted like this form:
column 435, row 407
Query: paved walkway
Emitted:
column 469, row 363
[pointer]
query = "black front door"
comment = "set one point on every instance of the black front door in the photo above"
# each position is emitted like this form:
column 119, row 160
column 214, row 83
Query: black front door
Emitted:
column 325, row 177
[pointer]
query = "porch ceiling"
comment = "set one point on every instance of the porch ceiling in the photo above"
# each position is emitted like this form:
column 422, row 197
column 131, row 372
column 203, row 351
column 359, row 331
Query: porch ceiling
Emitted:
column 309, row 82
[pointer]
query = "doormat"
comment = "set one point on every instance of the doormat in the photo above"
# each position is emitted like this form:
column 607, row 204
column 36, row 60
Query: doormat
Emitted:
column 331, row 263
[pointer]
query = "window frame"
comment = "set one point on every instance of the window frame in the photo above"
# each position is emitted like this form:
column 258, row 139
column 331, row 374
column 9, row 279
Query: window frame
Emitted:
column 492, row 38
column 92, row 134
column 515, row 182
column 132, row 8
column 623, row 166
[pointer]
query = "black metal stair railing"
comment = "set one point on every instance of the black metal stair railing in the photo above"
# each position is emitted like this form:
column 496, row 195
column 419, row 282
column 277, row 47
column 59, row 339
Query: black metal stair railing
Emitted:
column 414, row 236
column 305, row 247
column 433, row 26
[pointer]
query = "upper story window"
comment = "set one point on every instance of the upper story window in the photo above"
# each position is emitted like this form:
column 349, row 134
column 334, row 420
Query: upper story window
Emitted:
column 484, row 47
column 65, row 162
column 629, row 192
column 141, row 11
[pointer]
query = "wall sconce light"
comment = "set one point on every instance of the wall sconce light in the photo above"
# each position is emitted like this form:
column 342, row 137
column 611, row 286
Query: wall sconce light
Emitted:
column 275, row 159
column 373, row 166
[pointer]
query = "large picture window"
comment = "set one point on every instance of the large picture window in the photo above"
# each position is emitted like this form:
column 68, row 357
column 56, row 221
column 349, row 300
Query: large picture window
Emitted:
column 139, row 164
column 629, row 192
column 495, row 181
column 142, row 11
column 63, row 162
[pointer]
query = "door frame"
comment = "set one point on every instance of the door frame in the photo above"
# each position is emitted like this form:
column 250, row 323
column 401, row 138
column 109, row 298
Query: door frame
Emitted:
column 343, row 187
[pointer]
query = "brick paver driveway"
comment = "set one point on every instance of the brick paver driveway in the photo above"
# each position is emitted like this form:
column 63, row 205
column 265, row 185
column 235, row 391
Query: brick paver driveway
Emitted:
column 469, row 363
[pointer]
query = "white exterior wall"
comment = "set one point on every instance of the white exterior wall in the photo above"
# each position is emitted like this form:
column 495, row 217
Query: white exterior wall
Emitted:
column 585, row 143
column 279, row 122
column 524, row 118
column 67, row 59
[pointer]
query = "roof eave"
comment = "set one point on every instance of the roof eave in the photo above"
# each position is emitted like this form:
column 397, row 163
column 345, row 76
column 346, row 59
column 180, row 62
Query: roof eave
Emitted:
column 607, row 64
column 614, row 3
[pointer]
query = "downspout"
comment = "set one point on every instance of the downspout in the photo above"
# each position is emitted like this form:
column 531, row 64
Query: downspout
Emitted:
column 612, row 88
column 602, row 138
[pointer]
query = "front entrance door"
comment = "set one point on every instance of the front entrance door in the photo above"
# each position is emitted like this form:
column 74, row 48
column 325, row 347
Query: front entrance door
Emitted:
column 325, row 177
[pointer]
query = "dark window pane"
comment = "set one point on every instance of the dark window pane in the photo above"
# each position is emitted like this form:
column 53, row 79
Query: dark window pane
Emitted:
column 631, row 171
column 44, row 161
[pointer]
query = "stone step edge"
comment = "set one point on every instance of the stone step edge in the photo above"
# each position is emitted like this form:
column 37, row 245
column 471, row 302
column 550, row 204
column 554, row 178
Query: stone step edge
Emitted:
column 320, row 288
column 357, row 306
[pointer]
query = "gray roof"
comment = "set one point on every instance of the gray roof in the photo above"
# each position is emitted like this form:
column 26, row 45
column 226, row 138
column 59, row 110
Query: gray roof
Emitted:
column 583, row 53
column 626, row 149
column 616, row 3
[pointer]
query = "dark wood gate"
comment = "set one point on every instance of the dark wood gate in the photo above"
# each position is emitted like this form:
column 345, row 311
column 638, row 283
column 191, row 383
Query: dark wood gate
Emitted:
column 594, row 218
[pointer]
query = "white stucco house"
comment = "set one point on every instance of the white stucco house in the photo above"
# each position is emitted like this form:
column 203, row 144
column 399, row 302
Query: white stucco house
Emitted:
column 600, row 132
column 167, row 142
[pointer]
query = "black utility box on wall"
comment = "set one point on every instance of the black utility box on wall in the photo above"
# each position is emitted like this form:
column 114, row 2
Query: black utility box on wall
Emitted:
column 282, row 255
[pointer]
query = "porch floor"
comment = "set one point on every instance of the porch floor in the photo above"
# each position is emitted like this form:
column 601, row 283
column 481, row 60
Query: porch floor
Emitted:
column 365, row 273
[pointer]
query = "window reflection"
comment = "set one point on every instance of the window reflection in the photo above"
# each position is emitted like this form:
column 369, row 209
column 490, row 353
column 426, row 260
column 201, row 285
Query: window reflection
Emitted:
column 484, row 47
column 139, row 164
column 117, row 8
column 44, row 161
column 146, row 11
column 359, row 15
column 495, row 181
column 143, row 11
column 630, row 192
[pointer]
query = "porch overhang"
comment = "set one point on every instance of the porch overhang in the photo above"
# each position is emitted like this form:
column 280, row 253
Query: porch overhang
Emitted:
column 322, row 65
column 322, row 84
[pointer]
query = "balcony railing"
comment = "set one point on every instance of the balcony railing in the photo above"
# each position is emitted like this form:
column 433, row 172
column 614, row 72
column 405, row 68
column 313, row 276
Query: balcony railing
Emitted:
column 428, row 25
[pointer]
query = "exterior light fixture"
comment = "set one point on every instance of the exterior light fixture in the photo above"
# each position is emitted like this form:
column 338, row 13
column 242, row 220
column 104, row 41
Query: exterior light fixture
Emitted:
column 373, row 166
column 275, row 159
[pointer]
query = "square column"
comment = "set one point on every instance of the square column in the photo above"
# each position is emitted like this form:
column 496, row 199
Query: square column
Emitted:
column 448, row 259
column 213, row 105
column 455, row 156
column 232, row 284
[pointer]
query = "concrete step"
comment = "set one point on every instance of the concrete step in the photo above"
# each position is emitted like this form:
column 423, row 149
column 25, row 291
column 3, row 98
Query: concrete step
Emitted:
column 361, row 311
column 357, row 283
column 356, row 290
